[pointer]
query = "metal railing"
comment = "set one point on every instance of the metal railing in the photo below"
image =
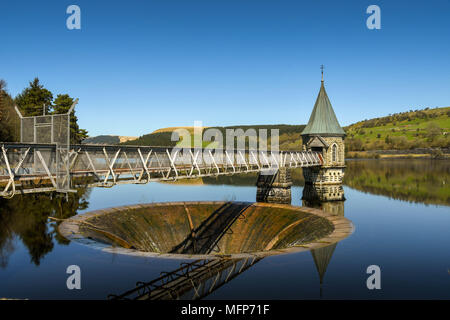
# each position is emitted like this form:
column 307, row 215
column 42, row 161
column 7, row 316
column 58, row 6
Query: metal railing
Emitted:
column 30, row 168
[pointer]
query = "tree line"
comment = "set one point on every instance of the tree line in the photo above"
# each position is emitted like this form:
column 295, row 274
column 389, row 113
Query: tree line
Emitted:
column 34, row 100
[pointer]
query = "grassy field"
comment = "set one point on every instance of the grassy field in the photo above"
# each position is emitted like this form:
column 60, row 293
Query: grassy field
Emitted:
column 407, row 130
column 171, row 129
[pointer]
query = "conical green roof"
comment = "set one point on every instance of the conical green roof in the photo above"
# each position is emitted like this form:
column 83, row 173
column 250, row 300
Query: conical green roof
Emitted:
column 323, row 120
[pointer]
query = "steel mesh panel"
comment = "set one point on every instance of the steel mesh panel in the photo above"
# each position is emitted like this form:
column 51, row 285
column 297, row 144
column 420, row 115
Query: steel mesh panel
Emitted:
column 62, row 168
column 50, row 129
column 61, row 136
column 27, row 130
column 44, row 119
column 61, row 129
column 49, row 160
column 43, row 134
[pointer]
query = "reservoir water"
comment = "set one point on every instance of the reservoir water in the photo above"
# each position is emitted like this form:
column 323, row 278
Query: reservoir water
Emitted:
column 400, row 210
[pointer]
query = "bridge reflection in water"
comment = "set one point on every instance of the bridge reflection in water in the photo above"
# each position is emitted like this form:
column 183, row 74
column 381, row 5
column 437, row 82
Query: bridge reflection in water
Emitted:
column 194, row 280
column 198, row 279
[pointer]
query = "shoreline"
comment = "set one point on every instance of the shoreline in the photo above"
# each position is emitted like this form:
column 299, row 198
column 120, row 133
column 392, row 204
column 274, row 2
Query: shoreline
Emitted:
column 438, row 154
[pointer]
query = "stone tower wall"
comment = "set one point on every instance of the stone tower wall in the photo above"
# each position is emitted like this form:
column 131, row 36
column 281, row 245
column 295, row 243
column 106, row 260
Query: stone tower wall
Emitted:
column 332, row 172
column 328, row 154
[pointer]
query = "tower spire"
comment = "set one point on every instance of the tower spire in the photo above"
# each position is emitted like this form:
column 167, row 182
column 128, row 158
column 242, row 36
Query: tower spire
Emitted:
column 321, row 68
column 323, row 120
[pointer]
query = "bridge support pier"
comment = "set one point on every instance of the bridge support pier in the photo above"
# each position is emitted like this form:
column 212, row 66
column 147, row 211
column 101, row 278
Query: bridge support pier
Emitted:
column 274, row 188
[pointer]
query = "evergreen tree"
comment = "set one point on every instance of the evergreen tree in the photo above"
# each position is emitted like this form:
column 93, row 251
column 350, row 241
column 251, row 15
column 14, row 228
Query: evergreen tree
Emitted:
column 34, row 99
column 61, row 105
column 4, row 132
column 9, row 121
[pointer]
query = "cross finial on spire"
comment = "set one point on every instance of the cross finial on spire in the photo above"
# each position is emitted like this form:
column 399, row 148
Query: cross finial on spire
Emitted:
column 321, row 68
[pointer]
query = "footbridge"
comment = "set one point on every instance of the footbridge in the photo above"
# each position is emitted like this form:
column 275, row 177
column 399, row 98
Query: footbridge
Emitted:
column 34, row 167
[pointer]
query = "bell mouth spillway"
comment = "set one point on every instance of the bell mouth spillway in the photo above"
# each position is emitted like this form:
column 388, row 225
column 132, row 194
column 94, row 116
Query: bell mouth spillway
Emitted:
column 207, row 229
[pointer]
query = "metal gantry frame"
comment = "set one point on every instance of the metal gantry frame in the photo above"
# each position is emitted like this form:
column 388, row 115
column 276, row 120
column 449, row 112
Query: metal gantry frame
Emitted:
column 52, row 164
column 34, row 167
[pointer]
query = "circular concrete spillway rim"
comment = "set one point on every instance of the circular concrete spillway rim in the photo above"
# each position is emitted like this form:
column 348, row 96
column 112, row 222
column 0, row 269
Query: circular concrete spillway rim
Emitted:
column 343, row 228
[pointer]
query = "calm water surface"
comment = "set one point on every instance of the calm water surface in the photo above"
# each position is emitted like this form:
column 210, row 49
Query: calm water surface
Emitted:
column 400, row 209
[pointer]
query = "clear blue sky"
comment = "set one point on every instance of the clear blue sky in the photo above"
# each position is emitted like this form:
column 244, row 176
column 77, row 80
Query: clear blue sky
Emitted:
column 140, row 65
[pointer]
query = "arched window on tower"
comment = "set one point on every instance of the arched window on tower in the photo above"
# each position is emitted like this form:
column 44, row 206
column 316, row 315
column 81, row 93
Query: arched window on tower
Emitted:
column 334, row 154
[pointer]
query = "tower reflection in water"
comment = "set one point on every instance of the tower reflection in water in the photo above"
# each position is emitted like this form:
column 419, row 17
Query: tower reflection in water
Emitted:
column 329, row 198
column 198, row 279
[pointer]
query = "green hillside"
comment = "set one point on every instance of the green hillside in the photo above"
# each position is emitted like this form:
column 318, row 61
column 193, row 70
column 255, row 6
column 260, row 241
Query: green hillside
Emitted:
column 401, row 131
column 153, row 139
column 289, row 136
column 102, row 140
